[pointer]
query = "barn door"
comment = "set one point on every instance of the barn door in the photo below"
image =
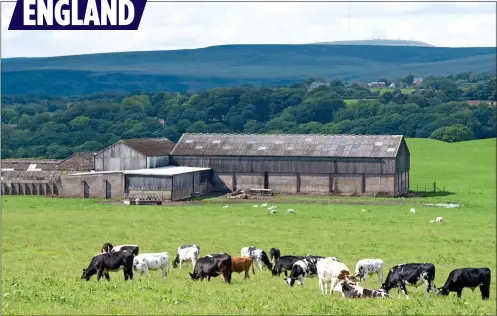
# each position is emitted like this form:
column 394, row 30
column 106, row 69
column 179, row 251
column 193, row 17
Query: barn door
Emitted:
column 86, row 190
column 107, row 190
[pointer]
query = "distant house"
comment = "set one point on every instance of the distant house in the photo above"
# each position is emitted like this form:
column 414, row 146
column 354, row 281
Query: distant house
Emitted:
column 376, row 84
column 318, row 84
column 392, row 85
column 417, row 81
column 473, row 102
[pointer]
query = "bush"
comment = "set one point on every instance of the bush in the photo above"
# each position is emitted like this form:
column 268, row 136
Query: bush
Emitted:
column 451, row 134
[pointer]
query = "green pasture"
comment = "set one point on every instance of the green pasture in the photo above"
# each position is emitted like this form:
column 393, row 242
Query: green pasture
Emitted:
column 383, row 90
column 46, row 242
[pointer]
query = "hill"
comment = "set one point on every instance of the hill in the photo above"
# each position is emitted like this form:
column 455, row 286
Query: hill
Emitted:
column 381, row 42
column 233, row 65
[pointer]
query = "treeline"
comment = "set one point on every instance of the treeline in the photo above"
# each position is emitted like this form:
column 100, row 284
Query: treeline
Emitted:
column 55, row 127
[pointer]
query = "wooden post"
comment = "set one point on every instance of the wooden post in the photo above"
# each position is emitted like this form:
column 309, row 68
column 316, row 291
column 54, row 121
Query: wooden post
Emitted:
column 434, row 187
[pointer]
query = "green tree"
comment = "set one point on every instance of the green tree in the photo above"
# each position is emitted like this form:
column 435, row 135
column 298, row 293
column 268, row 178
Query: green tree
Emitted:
column 453, row 133
column 79, row 123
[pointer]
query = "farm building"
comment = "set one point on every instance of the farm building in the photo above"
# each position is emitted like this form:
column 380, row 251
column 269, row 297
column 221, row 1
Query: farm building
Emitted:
column 171, row 183
column 326, row 164
column 82, row 161
column 29, row 177
column 134, row 154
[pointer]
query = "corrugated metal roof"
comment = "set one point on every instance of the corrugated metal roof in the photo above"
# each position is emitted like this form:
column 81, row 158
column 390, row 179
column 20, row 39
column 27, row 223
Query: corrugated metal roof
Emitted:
column 23, row 164
column 162, row 171
column 51, row 176
column 294, row 145
column 151, row 146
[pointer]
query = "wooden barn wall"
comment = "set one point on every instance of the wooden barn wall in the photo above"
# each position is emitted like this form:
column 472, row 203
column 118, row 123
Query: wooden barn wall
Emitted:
column 72, row 186
column 403, row 159
column 315, row 183
column 186, row 184
column 148, row 183
column 158, row 161
column 288, row 165
column 282, row 183
column 119, row 157
column 201, row 181
column 244, row 181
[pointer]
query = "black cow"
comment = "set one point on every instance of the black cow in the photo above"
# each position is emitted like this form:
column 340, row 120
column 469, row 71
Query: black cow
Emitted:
column 284, row 264
column 113, row 261
column 302, row 269
column 412, row 274
column 211, row 266
column 467, row 277
column 107, row 247
column 274, row 254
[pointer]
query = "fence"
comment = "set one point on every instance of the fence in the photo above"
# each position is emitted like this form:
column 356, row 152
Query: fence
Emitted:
column 434, row 187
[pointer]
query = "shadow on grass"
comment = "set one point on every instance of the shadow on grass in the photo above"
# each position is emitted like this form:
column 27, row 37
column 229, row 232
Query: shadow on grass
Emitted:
column 431, row 194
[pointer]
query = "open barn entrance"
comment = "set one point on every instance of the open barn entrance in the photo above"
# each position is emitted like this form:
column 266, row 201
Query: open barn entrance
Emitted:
column 86, row 190
column 108, row 193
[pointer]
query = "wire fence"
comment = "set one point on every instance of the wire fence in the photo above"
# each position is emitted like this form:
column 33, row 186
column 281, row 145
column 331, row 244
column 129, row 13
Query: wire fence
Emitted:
column 434, row 187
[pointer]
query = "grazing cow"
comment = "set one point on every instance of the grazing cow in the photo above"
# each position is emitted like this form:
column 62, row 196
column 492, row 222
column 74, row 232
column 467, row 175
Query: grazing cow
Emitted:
column 134, row 249
column 274, row 254
column 350, row 290
column 258, row 255
column 301, row 269
column 112, row 261
column 284, row 264
column 467, row 277
column 152, row 261
column 315, row 259
column 212, row 266
column 439, row 219
column 107, row 247
column 366, row 267
column 331, row 271
column 242, row 264
column 186, row 253
column 412, row 274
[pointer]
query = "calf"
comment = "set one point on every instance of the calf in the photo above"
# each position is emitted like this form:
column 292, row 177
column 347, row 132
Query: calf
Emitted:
column 134, row 249
column 152, row 261
column 258, row 255
column 284, row 264
column 113, row 261
column 274, row 254
column 412, row 274
column 242, row 264
column 331, row 271
column 212, row 266
column 350, row 290
column 186, row 253
column 467, row 277
column 366, row 267
column 302, row 269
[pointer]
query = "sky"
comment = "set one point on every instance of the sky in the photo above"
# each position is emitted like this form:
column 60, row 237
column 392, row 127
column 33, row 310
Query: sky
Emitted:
column 169, row 26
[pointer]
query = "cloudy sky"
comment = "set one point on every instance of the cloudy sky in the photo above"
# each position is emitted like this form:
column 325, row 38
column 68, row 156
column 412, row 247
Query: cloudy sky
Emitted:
column 166, row 26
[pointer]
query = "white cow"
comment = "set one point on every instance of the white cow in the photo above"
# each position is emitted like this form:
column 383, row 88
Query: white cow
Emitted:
column 366, row 267
column 257, row 255
column 328, row 272
column 152, row 261
column 439, row 220
column 186, row 253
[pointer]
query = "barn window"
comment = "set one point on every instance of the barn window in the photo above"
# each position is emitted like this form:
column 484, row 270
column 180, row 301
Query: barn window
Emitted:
column 378, row 143
column 308, row 139
column 278, row 142
column 216, row 141
column 324, row 148
column 342, row 142
column 391, row 149
column 188, row 141
column 290, row 148
column 355, row 148
column 261, row 148
column 251, row 142
column 227, row 147
column 199, row 147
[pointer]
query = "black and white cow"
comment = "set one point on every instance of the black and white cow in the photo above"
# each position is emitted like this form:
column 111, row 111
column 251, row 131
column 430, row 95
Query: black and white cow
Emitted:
column 412, row 274
column 107, row 247
column 274, row 254
column 284, row 264
column 467, row 277
column 301, row 269
column 186, row 253
column 213, row 265
column 258, row 255
column 350, row 290
column 113, row 261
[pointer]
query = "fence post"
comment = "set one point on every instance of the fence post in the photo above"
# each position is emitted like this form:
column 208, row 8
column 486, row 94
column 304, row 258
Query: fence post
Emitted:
column 434, row 187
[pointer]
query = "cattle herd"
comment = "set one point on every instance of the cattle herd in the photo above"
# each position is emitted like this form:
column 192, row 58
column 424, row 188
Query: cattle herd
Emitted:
column 329, row 270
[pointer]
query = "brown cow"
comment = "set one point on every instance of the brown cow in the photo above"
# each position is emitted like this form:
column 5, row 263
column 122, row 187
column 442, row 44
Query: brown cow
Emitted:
column 240, row 264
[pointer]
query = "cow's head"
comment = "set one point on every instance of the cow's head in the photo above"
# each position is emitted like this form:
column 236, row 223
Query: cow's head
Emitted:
column 194, row 275
column 176, row 261
column 361, row 273
column 387, row 286
column 85, row 275
column 290, row 281
column 139, row 264
column 443, row 291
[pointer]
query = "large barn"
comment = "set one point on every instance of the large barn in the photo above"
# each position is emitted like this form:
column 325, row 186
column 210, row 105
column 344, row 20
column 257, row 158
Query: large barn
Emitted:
column 289, row 164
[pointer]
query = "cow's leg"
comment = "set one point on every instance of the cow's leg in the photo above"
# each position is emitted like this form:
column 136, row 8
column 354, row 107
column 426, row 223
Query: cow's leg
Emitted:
column 428, row 289
column 99, row 273
column 164, row 273
column 433, row 287
column 332, row 286
column 286, row 274
column 365, row 277
column 145, row 268
column 107, row 276
column 321, row 285
column 180, row 262
column 125, row 274
column 380, row 277
column 485, row 291
column 404, row 290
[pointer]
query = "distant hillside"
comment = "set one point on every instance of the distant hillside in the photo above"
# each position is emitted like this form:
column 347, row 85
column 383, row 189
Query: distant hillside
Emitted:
column 233, row 65
column 380, row 42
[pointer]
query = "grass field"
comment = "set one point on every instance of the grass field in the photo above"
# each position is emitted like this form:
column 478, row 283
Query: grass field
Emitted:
column 383, row 90
column 47, row 242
